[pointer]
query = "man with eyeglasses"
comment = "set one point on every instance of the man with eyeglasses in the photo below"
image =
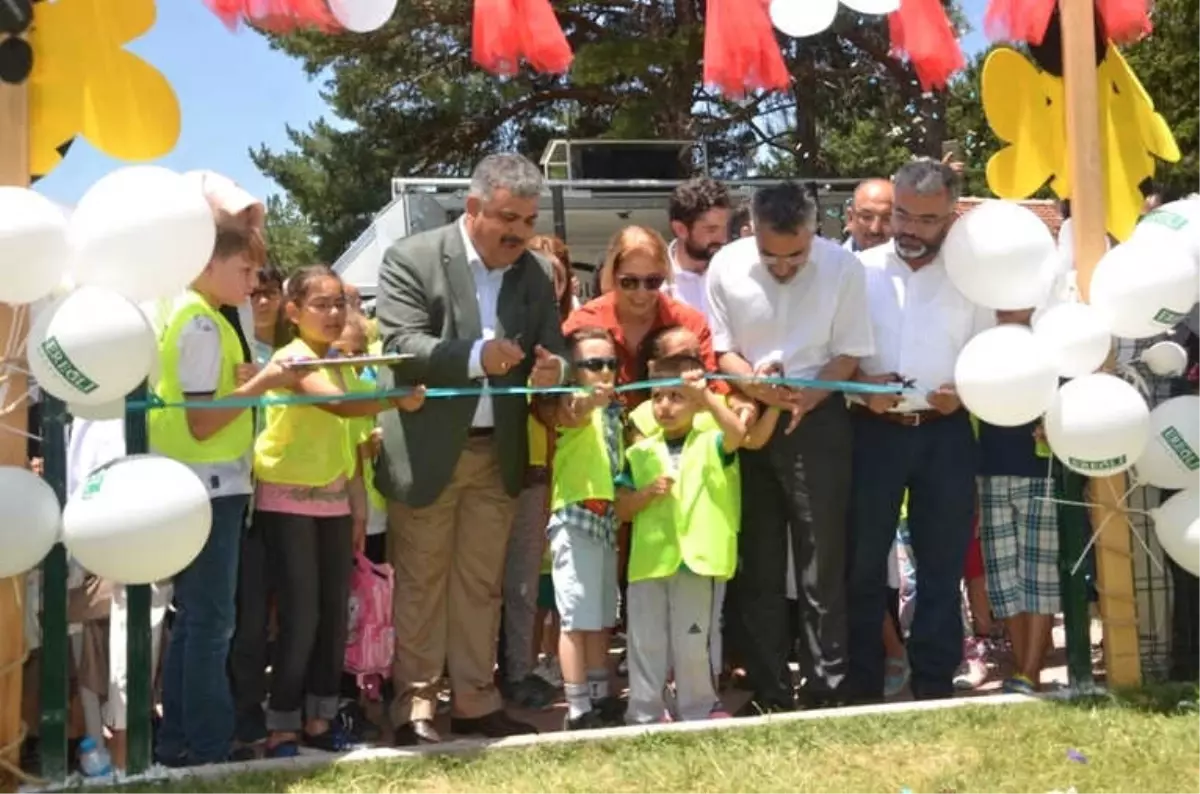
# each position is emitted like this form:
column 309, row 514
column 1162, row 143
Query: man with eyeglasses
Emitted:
column 786, row 301
column 921, row 441
column 869, row 217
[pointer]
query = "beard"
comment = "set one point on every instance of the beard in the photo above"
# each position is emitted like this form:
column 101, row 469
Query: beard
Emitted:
column 701, row 253
column 910, row 248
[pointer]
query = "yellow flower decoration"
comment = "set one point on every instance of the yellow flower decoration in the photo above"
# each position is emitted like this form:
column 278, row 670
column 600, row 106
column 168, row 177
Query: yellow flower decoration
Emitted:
column 84, row 83
column 1025, row 108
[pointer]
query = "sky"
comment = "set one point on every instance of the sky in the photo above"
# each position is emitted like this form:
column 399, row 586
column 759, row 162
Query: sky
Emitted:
column 236, row 94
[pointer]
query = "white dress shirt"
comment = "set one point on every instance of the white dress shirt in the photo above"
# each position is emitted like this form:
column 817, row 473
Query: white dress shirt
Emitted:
column 487, row 295
column 920, row 319
column 686, row 286
column 819, row 314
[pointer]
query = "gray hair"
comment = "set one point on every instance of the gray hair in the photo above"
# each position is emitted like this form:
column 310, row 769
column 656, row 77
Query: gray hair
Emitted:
column 512, row 172
column 926, row 176
column 784, row 208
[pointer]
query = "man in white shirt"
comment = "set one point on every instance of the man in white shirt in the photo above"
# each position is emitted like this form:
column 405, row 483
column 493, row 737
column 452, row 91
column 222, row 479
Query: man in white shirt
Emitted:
column 699, row 212
column 786, row 300
column 921, row 441
column 869, row 218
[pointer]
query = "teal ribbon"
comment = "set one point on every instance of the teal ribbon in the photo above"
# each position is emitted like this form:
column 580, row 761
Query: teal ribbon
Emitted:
column 438, row 392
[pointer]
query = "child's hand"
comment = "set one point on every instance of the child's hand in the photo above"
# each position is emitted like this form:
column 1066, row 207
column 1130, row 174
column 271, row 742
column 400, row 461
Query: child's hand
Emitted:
column 693, row 384
column 410, row 402
column 277, row 375
column 601, row 395
column 374, row 442
column 244, row 373
column 1039, row 432
column 660, row 487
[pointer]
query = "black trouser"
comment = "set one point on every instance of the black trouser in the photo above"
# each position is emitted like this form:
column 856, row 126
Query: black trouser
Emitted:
column 937, row 462
column 311, row 558
column 797, row 484
column 1185, row 623
column 248, row 653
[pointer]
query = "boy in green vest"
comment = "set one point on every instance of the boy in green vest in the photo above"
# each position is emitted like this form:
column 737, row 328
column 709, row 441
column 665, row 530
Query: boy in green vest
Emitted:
column 582, row 529
column 205, row 356
column 678, row 490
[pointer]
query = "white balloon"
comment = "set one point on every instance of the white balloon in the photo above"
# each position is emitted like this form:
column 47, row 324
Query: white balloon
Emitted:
column 1176, row 224
column 1177, row 527
column 362, row 16
column 137, row 520
column 1075, row 336
column 98, row 413
column 1167, row 359
column 1144, row 287
column 872, row 6
column 1171, row 458
column 91, row 347
column 34, row 252
column 1002, row 256
column 800, row 18
column 32, row 519
column 1098, row 424
column 143, row 231
column 1005, row 376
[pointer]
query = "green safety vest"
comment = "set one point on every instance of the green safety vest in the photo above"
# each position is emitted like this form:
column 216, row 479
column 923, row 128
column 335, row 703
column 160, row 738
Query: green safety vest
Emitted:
column 170, row 434
column 697, row 524
column 360, row 430
column 302, row 444
column 582, row 469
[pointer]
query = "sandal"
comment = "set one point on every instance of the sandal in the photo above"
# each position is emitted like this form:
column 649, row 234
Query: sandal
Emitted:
column 285, row 749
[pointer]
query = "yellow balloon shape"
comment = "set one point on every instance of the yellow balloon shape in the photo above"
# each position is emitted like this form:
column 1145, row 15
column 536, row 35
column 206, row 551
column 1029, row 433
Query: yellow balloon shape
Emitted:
column 1025, row 107
column 84, row 83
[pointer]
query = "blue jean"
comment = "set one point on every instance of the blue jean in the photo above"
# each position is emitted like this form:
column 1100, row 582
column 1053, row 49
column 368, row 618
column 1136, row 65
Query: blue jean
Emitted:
column 198, row 716
column 936, row 461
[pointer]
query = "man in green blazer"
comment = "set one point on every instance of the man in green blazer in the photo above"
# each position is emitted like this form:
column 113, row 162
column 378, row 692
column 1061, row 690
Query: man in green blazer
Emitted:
column 472, row 307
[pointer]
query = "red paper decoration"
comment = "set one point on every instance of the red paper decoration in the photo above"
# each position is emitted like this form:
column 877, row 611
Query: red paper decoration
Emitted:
column 741, row 53
column 1122, row 21
column 504, row 31
column 921, row 31
column 275, row 16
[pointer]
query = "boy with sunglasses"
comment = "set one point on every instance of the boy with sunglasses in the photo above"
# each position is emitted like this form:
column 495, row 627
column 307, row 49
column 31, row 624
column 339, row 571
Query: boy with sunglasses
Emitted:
column 582, row 530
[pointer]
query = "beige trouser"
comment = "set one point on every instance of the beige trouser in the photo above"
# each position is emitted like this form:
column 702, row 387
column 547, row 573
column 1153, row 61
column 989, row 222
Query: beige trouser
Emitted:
column 449, row 562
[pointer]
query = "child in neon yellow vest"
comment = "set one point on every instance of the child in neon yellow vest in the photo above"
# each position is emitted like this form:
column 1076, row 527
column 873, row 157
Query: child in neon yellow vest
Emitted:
column 308, row 478
column 204, row 356
column 678, row 490
column 583, row 527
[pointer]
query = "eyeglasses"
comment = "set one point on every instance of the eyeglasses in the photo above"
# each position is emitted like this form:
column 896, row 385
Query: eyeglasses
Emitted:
column 266, row 294
column 902, row 218
column 599, row 364
column 326, row 306
column 649, row 283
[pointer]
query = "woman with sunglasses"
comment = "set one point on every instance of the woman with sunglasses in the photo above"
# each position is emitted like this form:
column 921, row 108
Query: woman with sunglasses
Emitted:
column 638, row 265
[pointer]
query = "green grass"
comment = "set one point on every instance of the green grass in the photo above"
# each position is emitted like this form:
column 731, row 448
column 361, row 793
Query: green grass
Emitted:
column 1142, row 741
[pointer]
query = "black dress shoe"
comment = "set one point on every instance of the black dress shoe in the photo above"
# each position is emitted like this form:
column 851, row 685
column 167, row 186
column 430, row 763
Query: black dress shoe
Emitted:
column 417, row 732
column 496, row 725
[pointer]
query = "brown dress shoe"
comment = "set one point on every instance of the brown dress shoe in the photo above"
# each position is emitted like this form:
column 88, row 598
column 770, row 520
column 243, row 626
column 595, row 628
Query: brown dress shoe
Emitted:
column 417, row 732
column 496, row 725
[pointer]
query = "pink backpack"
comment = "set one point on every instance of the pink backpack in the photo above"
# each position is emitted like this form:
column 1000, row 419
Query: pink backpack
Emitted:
column 371, row 639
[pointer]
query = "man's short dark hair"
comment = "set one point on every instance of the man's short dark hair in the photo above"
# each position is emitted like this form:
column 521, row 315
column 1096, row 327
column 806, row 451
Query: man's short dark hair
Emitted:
column 695, row 197
column 785, row 208
column 739, row 219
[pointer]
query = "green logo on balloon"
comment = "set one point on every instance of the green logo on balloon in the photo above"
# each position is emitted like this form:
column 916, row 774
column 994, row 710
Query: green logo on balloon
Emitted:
column 1168, row 317
column 92, row 486
column 1187, row 456
column 63, row 365
column 1096, row 465
column 1169, row 219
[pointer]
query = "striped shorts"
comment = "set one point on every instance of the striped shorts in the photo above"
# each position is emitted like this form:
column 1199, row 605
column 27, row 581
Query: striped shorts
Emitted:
column 1019, row 530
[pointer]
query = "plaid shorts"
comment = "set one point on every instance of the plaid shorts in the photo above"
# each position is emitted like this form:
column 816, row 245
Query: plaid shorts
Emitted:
column 1019, row 530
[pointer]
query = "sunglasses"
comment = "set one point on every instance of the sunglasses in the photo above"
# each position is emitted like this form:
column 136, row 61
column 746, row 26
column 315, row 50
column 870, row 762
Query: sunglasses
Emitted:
column 597, row 364
column 649, row 283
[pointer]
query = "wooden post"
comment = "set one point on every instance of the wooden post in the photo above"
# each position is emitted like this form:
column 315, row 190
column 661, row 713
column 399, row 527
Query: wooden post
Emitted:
column 1114, row 568
column 14, row 170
